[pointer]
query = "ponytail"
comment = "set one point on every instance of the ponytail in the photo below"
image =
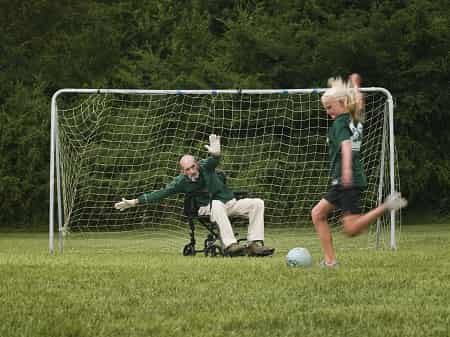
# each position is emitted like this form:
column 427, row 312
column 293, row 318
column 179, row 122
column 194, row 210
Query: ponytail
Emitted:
column 349, row 95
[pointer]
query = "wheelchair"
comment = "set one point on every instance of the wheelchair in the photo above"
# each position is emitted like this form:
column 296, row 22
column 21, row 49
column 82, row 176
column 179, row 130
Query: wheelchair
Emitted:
column 212, row 244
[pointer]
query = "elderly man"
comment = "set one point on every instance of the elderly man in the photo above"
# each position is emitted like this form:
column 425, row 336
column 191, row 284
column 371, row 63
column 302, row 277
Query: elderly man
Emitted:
column 219, row 204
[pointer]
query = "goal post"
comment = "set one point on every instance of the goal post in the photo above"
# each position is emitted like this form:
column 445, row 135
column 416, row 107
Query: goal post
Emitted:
column 111, row 143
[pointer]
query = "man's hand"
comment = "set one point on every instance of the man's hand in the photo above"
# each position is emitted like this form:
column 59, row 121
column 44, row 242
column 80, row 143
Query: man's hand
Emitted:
column 124, row 204
column 214, row 145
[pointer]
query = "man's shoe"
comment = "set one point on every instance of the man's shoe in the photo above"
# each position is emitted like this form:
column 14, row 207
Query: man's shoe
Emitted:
column 234, row 250
column 257, row 248
column 395, row 201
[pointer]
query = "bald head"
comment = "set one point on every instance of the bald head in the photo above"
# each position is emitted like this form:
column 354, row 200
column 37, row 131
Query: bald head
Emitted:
column 186, row 161
column 189, row 166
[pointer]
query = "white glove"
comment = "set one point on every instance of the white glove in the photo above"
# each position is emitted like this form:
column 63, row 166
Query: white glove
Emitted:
column 124, row 204
column 214, row 145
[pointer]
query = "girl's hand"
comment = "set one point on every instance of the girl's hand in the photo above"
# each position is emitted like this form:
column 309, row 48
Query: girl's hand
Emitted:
column 355, row 79
column 347, row 179
column 346, row 174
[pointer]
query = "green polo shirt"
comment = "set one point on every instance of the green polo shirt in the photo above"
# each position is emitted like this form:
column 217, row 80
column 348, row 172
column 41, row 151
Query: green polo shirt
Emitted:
column 209, row 181
column 343, row 128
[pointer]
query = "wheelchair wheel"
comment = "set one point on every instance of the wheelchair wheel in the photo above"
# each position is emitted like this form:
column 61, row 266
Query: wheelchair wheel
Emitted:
column 213, row 251
column 218, row 250
column 189, row 250
column 208, row 251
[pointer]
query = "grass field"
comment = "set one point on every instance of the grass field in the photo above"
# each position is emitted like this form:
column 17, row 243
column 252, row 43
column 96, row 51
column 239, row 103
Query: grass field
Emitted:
column 108, row 288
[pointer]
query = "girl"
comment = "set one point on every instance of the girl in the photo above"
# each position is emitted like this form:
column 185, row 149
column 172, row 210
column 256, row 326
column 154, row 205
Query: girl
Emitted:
column 343, row 102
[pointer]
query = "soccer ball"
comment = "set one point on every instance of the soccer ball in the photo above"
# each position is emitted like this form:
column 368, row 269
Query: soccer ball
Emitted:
column 298, row 257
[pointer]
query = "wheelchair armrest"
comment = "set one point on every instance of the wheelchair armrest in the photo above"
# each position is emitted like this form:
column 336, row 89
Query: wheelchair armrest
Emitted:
column 190, row 206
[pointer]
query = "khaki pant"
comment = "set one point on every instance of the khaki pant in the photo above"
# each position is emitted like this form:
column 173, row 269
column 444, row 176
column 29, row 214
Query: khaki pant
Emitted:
column 253, row 209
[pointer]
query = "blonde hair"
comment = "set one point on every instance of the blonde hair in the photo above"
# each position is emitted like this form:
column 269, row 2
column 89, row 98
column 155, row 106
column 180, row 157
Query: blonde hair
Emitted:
column 346, row 93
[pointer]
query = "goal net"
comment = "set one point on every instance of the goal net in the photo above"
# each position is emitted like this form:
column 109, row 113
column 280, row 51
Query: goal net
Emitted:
column 108, row 144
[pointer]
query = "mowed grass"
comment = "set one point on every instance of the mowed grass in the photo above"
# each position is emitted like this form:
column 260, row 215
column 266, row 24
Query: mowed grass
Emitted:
column 108, row 288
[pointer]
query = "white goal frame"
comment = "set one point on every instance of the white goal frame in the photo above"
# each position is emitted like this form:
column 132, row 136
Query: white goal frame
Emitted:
column 55, row 201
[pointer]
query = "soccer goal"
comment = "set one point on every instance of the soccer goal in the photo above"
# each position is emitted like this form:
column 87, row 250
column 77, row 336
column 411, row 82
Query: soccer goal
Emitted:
column 112, row 143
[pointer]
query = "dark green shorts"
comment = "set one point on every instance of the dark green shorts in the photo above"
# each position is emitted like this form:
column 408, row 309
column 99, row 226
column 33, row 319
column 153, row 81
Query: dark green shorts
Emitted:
column 345, row 199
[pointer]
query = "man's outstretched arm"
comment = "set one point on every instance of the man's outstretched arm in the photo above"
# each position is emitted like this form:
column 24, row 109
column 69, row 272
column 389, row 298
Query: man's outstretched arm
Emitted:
column 155, row 196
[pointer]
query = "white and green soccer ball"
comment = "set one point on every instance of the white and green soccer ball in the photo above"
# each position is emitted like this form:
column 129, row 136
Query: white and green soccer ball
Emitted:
column 299, row 257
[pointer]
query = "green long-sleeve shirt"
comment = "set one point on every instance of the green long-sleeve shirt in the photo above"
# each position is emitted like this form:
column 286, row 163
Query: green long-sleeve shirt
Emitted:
column 208, row 181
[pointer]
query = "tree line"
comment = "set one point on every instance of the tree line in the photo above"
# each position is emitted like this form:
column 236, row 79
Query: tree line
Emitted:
column 156, row 44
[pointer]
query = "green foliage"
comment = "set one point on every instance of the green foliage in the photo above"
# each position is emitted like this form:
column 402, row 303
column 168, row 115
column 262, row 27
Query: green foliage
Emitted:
column 47, row 45
column 24, row 147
